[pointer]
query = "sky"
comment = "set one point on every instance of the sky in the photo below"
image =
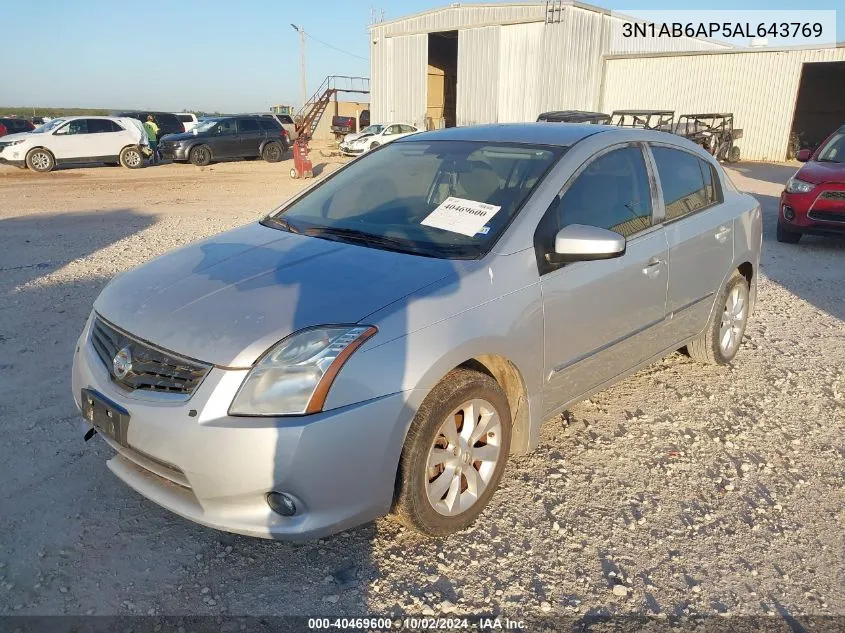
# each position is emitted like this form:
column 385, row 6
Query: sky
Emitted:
column 213, row 55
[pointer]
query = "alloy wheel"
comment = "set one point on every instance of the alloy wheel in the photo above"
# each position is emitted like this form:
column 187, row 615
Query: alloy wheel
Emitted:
column 463, row 457
column 733, row 321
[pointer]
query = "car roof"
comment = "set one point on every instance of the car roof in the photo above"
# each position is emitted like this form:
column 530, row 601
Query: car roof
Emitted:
column 562, row 134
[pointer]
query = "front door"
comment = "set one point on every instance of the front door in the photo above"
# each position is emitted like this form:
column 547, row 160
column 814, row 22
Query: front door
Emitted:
column 603, row 317
column 224, row 143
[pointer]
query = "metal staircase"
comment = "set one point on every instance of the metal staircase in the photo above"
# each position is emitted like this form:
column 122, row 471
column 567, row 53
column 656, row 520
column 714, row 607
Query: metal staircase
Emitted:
column 310, row 114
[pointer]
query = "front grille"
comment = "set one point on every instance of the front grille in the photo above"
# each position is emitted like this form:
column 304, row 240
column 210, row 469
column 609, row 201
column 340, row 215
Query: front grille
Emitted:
column 150, row 368
column 826, row 217
column 833, row 195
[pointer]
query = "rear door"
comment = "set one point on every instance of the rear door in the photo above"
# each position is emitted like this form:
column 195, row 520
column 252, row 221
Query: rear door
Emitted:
column 250, row 137
column 105, row 137
column 699, row 229
column 601, row 318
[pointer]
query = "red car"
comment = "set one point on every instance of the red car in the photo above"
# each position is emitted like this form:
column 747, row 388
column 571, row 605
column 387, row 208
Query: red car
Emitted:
column 814, row 198
column 14, row 125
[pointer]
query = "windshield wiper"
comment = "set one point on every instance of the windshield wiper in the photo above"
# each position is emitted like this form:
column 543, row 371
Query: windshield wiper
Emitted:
column 280, row 223
column 354, row 235
column 828, row 160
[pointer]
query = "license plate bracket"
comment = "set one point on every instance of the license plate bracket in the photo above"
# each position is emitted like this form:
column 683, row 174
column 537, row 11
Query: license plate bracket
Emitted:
column 106, row 416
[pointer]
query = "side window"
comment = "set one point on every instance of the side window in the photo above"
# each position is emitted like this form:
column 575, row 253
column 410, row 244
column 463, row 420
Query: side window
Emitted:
column 99, row 126
column 687, row 182
column 267, row 125
column 393, row 129
column 286, row 119
column 247, row 125
column 226, row 126
column 406, row 129
column 77, row 126
column 611, row 193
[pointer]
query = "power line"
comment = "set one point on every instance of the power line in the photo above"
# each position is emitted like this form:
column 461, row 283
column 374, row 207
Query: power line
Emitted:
column 340, row 50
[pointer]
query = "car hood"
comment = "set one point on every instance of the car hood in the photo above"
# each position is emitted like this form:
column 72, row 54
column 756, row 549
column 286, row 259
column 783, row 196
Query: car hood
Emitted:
column 227, row 299
column 816, row 172
column 17, row 136
column 181, row 136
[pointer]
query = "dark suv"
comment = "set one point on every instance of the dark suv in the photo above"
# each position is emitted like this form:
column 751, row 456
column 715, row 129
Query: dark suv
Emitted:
column 167, row 122
column 227, row 137
column 14, row 125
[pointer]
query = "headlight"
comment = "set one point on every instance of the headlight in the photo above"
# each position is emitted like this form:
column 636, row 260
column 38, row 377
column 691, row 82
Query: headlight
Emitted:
column 793, row 185
column 12, row 143
column 295, row 375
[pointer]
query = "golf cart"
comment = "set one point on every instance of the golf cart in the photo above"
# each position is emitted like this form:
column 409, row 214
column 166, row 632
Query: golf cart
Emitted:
column 661, row 120
column 715, row 132
column 574, row 116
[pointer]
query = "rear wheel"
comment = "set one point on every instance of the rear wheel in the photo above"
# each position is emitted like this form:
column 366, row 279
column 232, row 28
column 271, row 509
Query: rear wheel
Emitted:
column 200, row 155
column 733, row 154
column 131, row 158
column 40, row 159
column 786, row 236
column 454, row 454
column 272, row 152
column 720, row 342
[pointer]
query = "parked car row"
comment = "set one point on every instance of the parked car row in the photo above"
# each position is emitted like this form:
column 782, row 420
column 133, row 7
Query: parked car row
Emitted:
column 122, row 139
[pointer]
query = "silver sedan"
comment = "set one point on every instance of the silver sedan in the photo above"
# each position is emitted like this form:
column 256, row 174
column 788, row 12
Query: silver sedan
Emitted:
column 384, row 341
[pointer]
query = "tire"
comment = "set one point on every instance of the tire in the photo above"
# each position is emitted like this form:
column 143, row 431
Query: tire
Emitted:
column 373, row 145
column 200, row 155
column 40, row 160
column 786, row 236
column 733, row 154
column 417, row 484
column 730, row 316
column 272, row 152
column 293, row 173
column 131, row 158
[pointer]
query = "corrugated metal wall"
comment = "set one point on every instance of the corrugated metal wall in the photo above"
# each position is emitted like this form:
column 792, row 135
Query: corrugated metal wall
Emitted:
column 759, row 87
column 520, row 48
column 620, row 44
column 381, row 78
column 454, row 18
column 409, row 79
column 478, row 75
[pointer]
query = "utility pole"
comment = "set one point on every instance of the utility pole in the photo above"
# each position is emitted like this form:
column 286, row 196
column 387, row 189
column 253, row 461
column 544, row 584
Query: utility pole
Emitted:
column 302, row 61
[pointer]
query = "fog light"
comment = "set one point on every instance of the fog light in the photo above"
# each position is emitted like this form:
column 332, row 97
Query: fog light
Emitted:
column 788, row 213
column 281, row 503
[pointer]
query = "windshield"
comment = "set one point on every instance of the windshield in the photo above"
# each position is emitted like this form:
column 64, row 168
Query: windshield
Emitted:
column 205, row 125
column 49, row 125
column 834, row 150
column 372, row 129
column 392, row 193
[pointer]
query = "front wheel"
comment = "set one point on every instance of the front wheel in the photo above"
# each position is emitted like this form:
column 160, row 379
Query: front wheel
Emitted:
column 200, row 155
column 733, row 154
column 40, row 159
column 373, row 145
column 454, row 454
column 272, row 152
column 719, row 343
column 131, row 158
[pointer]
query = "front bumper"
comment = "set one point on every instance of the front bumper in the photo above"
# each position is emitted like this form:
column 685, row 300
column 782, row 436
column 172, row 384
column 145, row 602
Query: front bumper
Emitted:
column 351, row 151
column 192, row 458
column 816, row 212
column 173, row 152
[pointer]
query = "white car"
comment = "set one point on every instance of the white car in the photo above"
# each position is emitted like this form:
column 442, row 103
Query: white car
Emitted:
column 77, row 139
column 381, row 135
column 188, row 120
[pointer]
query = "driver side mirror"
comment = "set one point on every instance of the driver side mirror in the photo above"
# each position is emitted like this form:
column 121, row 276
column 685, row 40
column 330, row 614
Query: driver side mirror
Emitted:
column 579, row 242
column 803, row 155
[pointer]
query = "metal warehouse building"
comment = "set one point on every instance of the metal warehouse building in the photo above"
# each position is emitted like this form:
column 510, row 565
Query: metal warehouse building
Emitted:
column 487, row 63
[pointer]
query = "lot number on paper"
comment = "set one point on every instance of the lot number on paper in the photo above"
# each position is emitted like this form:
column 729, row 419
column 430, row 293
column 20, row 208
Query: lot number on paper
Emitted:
column 459, row 215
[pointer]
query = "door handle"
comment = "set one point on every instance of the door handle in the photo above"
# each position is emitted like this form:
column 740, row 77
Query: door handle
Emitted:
column 652, row 268
column 722, row 234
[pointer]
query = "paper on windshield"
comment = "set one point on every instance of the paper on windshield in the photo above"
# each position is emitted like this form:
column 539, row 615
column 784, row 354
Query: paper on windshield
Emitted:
column 460, row 215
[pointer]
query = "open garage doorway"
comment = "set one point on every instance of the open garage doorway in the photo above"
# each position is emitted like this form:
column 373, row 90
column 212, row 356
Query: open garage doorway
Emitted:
column 820, row 107
column 441, row 105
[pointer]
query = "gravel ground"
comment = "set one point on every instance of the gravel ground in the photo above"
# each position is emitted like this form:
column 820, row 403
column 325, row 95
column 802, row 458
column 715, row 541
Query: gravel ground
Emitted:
column 683, row 490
